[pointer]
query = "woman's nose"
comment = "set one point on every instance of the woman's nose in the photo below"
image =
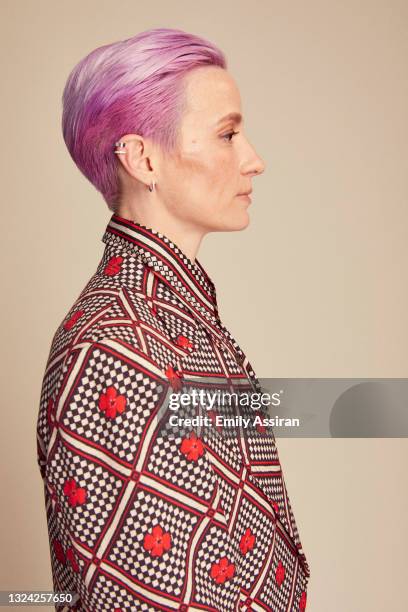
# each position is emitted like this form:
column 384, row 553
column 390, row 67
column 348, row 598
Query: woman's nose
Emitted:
column 259, row 165
column 255, row 163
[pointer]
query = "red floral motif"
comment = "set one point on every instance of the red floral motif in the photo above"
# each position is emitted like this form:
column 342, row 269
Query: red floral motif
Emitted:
column 192, row 447
column 111, row 403
column 247, row 541
column 157, row 541
column 222, row 571
column 275, row 507
column 280, row 573
column 302, row 601
column 113, row 266
column 183, row 341
column 76, row 495
column 72, row 560
column 59, row 551
column 71, row 322
column 174, row 378
column 261, row 428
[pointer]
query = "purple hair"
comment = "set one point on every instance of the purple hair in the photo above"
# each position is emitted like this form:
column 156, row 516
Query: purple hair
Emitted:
column 130, row 86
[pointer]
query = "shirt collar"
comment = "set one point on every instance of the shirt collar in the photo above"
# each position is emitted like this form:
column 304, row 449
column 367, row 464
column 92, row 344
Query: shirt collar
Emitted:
column 161, row 254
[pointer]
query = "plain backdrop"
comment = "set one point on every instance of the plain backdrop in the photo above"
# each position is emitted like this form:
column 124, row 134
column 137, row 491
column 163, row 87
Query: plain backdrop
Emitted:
column 314, row 287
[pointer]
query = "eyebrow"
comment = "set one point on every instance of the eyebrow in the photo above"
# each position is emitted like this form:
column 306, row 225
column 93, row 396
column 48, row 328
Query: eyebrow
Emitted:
column 237, row 117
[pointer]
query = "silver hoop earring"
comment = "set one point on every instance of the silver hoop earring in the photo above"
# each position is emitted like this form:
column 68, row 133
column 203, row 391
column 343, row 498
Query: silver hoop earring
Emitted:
column 152, row 185
column 120, row 145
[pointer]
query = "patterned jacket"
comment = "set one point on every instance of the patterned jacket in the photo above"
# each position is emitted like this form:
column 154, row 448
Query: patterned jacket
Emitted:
column 139, row 519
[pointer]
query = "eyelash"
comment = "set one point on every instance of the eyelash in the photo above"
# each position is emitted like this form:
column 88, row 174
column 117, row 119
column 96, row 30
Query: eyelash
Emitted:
column 232, row 134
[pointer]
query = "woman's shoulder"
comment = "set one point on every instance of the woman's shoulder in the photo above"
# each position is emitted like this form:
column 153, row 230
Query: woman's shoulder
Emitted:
column 157, row 326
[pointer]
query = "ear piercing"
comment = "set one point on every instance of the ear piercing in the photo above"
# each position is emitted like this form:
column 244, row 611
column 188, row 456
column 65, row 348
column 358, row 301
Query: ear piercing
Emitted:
column 121, row 145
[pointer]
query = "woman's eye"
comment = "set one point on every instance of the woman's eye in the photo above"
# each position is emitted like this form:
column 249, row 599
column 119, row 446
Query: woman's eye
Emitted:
column 230, row 135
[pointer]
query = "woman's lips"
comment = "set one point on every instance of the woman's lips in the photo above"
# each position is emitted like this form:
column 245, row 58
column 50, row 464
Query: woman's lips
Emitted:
column 244, row 196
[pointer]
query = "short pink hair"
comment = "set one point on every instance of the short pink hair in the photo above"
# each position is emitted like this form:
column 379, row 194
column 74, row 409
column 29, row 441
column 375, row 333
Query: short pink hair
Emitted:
column 130, row 86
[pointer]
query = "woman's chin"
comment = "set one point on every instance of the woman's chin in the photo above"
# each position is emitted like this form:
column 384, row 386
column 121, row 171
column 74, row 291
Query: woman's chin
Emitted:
column 234, row 222
column 240, row 222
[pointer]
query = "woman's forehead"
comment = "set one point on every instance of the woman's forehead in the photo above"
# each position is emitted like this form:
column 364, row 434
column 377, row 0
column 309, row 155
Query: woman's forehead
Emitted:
column 212, row 96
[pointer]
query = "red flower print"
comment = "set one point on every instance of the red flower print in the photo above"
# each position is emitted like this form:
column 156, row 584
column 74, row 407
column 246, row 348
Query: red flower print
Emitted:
column 156, row 541
column 183, row 341
column 72, row 560
column 174, row 378
column 111, row 403
column 280, row 573
column 59, row 551
column 222, row 571
column 75, row 494
column 275, row 507
column 71, row 322
column 260, row 427
column 302, row 601
column 113, row 266
column 247, row 541
column 192, row 447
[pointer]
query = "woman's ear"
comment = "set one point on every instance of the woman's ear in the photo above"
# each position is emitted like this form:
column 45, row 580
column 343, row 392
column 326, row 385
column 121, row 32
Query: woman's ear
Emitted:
column 134, row 158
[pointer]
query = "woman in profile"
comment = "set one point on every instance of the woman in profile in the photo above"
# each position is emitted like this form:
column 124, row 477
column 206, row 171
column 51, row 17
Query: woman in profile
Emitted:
column 138, row 519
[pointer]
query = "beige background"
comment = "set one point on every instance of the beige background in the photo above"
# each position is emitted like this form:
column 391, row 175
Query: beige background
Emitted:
column 315, row 286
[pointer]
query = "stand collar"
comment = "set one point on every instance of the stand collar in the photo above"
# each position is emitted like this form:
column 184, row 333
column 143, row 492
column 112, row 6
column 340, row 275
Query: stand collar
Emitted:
column 161, row 254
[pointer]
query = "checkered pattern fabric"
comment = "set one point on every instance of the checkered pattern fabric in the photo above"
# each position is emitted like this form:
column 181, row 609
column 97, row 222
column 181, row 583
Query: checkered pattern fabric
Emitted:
column 142, row 515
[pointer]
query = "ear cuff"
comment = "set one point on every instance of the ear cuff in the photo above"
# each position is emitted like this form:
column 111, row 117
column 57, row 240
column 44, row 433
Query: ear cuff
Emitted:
column 119, row 146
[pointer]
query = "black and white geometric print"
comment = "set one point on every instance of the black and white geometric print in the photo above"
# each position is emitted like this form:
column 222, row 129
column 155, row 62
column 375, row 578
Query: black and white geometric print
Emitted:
column 141, row 517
